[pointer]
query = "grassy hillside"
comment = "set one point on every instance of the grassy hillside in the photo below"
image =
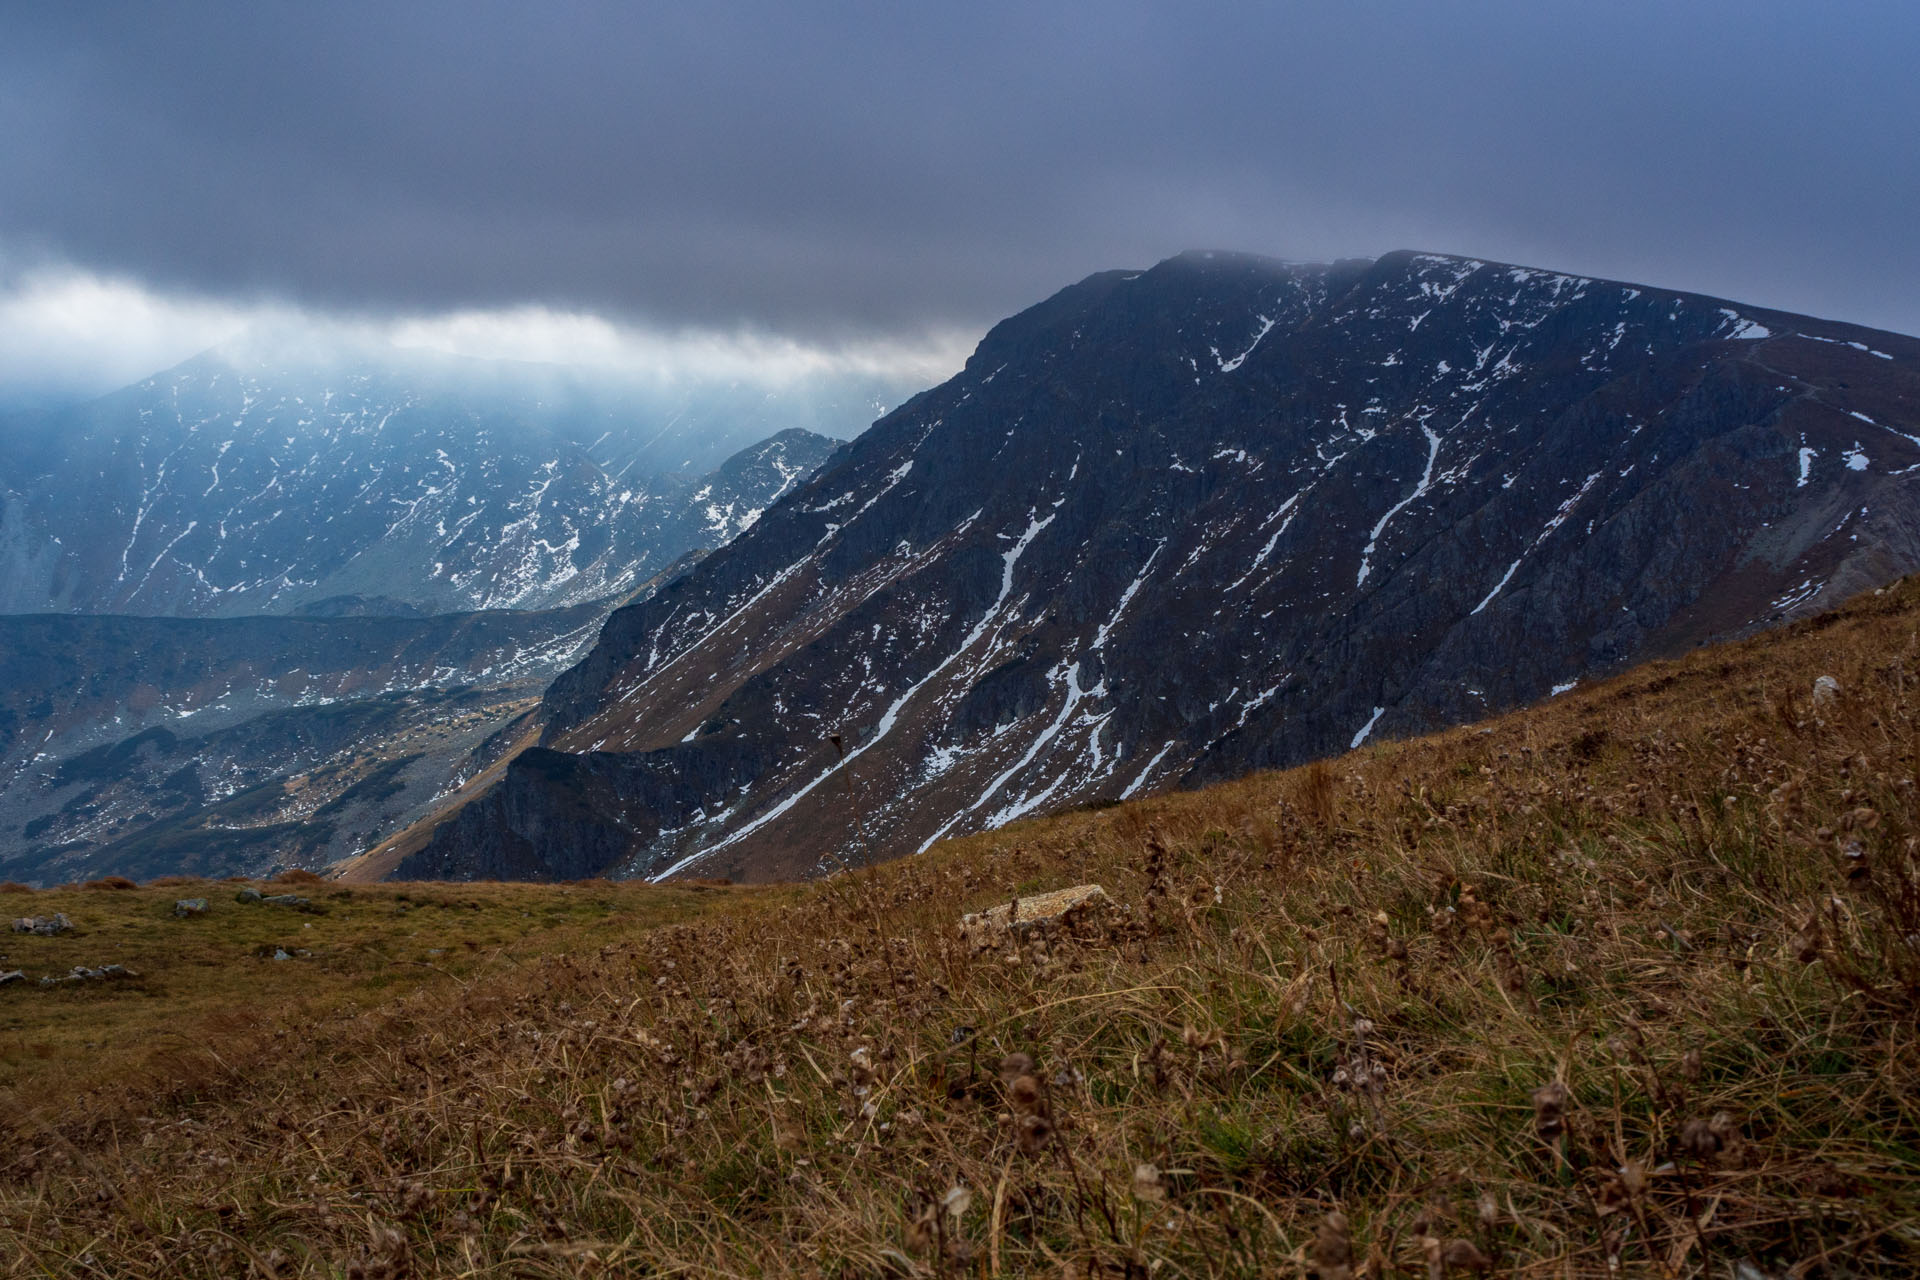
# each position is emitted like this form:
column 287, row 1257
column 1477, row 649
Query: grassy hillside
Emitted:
column 1622, row 984
column 207, row 992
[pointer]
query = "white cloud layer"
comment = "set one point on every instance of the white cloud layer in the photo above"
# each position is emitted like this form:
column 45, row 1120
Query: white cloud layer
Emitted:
column 70, row 333
column 584, row 339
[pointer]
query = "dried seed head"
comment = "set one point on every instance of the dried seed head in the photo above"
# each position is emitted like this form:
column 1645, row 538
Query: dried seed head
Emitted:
column 1550, row 1110
column 1034, row 1133
column 1015, row 1065
column 1854, row 860
column 1147, row 1185
column 787, row 1135
column 1332, row 1251
column 1025, row 1095
column 1464, row 1255
column 1489, row 1210
column 921, row 1229
column 1864, row 818
column 1727, row 1132
column 1698, row 1139
column 957, row 1201
column 1806, row 943
column 1612, row 1197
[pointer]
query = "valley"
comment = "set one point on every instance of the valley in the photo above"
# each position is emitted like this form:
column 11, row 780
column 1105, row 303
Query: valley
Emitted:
column 271, row 614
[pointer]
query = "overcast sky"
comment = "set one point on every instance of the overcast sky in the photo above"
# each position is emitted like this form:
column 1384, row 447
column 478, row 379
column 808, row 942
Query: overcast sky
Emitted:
column 879, row 182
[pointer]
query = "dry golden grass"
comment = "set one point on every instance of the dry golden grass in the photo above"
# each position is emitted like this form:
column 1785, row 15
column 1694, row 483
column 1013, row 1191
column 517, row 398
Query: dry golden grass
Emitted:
column 1624, row 984
column 207, row 995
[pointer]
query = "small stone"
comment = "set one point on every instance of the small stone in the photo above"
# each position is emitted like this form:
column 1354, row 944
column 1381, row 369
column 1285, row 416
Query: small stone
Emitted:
column 12, row 976
column 43, row 926
column 280, row 953
column 185, row 907
column 1825, row 690
column 249, row 895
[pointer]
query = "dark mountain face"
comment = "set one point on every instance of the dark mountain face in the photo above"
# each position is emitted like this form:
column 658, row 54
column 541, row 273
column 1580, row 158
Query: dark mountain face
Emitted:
column 1225, row 513
column 230, row 486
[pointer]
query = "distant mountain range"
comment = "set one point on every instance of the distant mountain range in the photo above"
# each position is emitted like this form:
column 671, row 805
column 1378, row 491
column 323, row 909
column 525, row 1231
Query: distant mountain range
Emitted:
column 233, row 485
column 145, row 746
column 363, row 574
column 1229, row 512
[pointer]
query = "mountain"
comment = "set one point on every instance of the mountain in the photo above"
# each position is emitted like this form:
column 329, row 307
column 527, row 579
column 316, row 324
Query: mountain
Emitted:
column 333, row 547
column 236, row 484
column 148, row 746
column 1168, row 526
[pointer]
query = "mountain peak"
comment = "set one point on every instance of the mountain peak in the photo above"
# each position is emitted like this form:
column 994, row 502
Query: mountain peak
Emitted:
column 1224, row 513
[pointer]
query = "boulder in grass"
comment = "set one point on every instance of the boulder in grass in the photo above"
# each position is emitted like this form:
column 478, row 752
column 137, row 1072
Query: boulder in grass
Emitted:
column 1061, row 909
column 185, row 907
column 249, row 894
column 12, row 976
column 45, row 926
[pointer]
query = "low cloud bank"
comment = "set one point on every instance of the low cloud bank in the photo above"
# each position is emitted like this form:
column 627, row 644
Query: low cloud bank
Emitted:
column 67, row 333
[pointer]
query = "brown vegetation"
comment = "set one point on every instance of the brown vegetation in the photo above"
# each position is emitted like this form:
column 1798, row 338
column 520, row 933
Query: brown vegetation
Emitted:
column 1625, row 984
column 110, row 883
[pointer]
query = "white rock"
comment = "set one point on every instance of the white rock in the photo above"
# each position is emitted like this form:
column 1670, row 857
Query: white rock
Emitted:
column 1062, row 907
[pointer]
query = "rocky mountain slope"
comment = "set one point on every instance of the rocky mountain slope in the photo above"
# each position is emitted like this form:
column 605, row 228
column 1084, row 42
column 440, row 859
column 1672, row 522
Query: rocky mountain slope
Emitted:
column 236, row 485
column 1229, row 512
column 145, row 746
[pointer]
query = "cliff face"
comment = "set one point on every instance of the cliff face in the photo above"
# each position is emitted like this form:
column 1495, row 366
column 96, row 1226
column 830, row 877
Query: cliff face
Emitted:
column 1176, row 524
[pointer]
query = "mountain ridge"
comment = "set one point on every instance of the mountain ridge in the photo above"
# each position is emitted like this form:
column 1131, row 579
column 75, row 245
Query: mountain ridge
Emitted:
column 1459, row 486
column 225, row 487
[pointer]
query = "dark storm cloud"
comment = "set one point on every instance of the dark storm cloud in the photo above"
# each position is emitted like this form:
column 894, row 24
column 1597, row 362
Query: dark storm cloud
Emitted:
column 835, row 170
